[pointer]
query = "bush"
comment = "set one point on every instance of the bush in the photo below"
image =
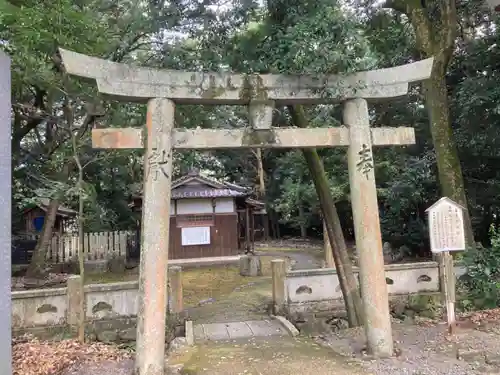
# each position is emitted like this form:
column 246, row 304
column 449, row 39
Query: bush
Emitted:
column 482, row 280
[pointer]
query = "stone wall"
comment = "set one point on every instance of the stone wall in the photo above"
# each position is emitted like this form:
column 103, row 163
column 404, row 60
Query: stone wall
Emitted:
column 319, row 289
column 39, row 307
column 111, row 310
column 48, row 307
column 112, row 300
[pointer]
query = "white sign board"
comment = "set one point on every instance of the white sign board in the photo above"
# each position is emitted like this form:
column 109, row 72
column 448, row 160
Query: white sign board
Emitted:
column 195, row 236
column 446, row 226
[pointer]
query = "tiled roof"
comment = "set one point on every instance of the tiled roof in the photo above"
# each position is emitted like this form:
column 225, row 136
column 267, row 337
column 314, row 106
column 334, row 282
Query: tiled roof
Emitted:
column 205, row 193
column 209, row 181
column 209, row 188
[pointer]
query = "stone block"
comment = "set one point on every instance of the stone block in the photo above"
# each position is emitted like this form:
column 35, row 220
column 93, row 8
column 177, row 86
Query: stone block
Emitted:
column 96, row 266
column 107, row 337
column 250, row 266
column 116, row 264
column 127, row 335
column 493, row 359
column 471, row 355
column 177, row 343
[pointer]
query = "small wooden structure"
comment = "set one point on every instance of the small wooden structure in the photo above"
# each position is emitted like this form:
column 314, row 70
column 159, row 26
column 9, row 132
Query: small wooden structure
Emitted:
column 34, row 218
column 209, row 218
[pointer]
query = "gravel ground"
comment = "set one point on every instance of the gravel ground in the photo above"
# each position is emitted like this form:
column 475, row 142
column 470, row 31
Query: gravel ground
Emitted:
column 423, row 349
column 428, row 350
column 125, row 367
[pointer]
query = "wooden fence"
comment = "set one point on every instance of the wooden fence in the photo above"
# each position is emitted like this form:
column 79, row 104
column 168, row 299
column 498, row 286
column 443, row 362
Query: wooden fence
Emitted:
column 97, row 245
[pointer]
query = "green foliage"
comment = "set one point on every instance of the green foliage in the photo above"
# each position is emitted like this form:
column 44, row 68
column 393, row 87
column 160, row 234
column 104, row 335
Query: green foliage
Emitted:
column 320, row 37
column 482, row 281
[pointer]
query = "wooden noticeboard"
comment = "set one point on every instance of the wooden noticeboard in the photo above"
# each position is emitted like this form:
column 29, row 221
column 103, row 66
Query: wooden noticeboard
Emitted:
column 446, row 226
column 447, row 233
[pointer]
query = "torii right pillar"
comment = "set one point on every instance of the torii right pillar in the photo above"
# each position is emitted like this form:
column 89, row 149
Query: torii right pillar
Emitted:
column 365, row 212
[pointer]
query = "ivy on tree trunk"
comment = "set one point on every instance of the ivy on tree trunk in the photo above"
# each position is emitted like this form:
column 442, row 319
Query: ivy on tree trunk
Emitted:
column 435, row 25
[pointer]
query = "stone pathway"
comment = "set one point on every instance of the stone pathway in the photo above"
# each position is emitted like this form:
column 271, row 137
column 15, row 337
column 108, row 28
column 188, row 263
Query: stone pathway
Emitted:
column 251, row 301
column 247, row 302
column 238, row 330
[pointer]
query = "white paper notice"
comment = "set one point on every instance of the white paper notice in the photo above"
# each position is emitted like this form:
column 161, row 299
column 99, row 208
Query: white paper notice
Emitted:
column 195, row 236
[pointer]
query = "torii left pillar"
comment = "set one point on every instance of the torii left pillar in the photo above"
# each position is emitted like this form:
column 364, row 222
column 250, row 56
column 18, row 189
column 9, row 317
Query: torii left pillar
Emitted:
column 151, row 318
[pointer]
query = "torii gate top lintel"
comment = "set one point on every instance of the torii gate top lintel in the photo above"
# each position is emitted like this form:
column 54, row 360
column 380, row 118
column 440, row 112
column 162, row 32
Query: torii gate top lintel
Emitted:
column 139, row 84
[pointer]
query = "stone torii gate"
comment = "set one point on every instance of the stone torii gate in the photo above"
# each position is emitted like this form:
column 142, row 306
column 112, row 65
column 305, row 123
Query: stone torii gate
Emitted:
column 161, row 90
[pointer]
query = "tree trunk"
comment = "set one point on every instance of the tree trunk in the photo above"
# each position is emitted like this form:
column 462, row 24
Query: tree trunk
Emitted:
column 262, row 190
column 265, row 223
column 448, row 162
column 303, row 228
column 327, row 247
column 261, row 173
column 81, row 262
column 435, row 37
column 447, row 159
column 36, row 269
column 343, row 263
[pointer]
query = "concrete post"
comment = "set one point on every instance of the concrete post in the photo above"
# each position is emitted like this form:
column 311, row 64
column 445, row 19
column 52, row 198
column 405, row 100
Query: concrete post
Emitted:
column 278, row 271
column 367, row 229
column 151, row 319
column 330, row 263
column 175, row 280
column 74, row 298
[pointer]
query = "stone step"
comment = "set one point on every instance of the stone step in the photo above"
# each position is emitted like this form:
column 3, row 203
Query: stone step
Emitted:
column 238, row 330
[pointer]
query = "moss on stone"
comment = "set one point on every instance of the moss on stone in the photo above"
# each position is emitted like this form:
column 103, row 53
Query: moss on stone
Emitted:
column 253, row 88
column 424, row 302
column 258, row 137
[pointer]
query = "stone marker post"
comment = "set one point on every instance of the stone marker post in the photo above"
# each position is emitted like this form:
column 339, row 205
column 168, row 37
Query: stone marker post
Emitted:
column 278, row 271
column 74, row 298
column 6, row 196
column 150, row 353
column 367, row 229
column 176, row 297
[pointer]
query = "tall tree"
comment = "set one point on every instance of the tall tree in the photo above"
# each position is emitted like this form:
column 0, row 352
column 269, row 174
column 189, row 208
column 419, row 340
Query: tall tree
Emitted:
column 435, row 26
column 303, row 18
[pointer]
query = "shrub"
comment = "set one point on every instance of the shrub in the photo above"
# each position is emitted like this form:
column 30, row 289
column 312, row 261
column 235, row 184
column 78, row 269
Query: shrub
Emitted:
column 482, row 280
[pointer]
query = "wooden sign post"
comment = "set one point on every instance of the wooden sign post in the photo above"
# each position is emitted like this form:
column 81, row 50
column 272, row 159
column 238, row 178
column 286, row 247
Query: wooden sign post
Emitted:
column 447, row 233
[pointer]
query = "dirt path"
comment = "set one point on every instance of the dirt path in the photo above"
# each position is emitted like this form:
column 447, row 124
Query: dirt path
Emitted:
column 250, row 301
column 270, row 356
